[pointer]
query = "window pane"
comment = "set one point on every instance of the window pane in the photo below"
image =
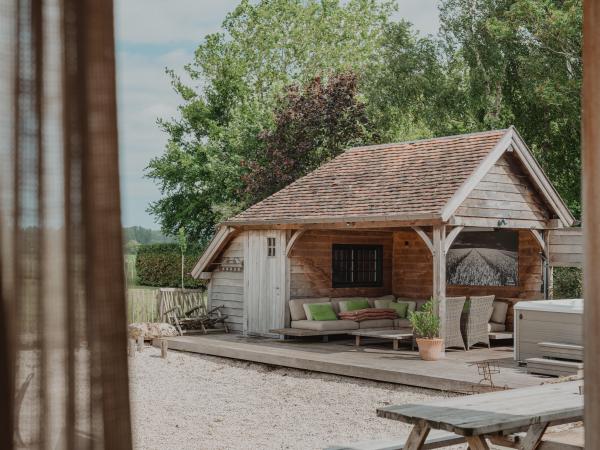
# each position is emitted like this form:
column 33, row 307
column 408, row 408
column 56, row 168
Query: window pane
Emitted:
column 356, row 265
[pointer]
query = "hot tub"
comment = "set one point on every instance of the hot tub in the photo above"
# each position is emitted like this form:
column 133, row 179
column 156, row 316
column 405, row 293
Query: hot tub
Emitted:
column 558, row 321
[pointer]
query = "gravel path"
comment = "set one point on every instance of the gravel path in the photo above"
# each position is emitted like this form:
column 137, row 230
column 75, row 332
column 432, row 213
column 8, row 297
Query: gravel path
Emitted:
column 193, row 401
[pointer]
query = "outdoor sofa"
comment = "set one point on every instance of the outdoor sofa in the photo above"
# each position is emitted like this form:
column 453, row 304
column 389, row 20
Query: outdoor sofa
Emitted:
column 300, row 321
column 301, row 325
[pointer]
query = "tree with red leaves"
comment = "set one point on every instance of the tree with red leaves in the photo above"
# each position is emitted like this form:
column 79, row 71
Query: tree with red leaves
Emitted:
column 313, row 123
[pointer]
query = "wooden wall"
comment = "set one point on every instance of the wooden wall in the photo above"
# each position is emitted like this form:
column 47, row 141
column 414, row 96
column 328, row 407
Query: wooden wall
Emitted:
column 227, row 287
column 413, row 270
column 505, row 192
column 566, row 247
column 310, row 263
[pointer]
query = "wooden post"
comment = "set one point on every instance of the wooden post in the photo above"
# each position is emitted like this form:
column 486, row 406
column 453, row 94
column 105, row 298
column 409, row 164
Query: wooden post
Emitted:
column 164, row 346
column 140, row 343
column 131, row 348
column 591, row 218
column 439, row 274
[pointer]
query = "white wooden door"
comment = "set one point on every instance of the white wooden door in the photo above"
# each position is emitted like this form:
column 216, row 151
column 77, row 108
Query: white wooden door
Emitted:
column 264, row 277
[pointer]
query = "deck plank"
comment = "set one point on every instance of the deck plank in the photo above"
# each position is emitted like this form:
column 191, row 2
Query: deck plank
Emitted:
column 371, row 362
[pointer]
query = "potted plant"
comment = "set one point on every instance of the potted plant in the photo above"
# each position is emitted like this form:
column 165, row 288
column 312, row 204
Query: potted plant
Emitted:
column 426, row 326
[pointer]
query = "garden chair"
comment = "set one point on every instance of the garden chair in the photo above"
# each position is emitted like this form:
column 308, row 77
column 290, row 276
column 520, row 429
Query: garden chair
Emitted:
column 193, row 317
column 474, row 323
column 454, row 309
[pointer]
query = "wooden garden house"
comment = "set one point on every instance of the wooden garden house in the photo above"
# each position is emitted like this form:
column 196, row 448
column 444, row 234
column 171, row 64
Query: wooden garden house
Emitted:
column 392, row 219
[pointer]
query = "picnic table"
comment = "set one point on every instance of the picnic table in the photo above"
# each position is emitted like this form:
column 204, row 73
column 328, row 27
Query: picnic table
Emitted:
column 496, row 416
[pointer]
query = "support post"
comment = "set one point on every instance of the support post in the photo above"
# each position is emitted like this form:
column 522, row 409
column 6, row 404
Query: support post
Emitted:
column 591, row 217
column 439, row 274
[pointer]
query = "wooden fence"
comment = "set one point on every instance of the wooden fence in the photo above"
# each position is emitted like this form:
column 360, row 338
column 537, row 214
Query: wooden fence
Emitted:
column 147, row 305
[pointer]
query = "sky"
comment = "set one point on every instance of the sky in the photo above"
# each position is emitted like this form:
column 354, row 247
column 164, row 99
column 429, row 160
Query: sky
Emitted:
column 155, row 34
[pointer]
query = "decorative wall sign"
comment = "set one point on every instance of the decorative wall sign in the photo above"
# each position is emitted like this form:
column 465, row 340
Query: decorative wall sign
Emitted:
column 484, row 258
column 232, row 265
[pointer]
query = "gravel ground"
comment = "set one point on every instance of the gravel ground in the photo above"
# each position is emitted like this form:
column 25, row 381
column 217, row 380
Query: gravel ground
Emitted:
column 193, row 401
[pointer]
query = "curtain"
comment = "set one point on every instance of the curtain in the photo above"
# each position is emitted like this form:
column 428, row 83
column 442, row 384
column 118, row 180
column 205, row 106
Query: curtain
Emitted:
column 63, row 360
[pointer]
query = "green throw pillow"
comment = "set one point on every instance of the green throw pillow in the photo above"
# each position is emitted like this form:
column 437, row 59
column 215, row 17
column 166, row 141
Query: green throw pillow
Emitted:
column 353, row 305
column 322, row 311
column 401, row 309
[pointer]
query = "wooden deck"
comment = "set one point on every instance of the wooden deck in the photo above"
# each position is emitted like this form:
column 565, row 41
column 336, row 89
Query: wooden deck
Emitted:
column 373, row 361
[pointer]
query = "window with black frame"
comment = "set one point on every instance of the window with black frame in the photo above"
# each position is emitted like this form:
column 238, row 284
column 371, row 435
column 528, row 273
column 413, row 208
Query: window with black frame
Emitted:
column 357, row 265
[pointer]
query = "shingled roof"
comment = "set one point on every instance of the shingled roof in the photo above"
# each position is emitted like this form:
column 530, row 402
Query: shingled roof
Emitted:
column 407, row 180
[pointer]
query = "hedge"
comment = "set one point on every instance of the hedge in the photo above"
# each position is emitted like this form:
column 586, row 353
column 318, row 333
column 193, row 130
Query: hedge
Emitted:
column 160, row 265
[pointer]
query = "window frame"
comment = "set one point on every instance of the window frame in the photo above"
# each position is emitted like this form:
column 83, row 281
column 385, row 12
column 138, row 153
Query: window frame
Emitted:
column 271, row 247
column 378, row 270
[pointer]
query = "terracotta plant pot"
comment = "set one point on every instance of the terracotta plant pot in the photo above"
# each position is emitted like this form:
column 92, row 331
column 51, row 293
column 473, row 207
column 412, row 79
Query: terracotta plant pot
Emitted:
column 431, row 349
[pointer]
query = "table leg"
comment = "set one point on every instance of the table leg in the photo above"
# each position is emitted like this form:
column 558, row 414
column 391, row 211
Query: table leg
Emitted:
column 357, row 341
column 417, row 436
column 395, row 344
column 533, row 436
column 477, row 443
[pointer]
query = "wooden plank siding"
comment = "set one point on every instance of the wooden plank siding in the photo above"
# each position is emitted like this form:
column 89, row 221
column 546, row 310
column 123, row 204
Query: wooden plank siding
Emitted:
column 227, row 288
column 505, row 192
column 566, row 247
column 413, row 270
column 310, row 263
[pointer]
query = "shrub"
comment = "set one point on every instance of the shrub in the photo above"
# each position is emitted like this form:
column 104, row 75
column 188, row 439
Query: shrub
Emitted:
column 160, row 265
column 425, row 323
column 568, row 282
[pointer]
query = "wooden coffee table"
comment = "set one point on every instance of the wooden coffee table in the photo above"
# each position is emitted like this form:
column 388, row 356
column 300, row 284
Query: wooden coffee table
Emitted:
column 395, row 335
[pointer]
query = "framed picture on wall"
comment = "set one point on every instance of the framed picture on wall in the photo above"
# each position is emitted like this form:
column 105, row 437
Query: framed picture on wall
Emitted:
column 484, row 258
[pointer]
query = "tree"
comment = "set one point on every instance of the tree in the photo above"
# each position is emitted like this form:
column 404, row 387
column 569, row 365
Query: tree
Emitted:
column 313, row 123
column 183, row 245
column 522, row 66
column 241, row 73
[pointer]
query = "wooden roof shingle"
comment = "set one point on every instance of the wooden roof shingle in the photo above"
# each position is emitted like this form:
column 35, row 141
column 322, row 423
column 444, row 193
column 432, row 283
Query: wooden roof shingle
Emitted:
column 408, row 180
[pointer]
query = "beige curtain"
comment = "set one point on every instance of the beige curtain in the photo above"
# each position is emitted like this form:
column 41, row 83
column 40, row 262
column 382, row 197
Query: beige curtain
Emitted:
column 63, row 362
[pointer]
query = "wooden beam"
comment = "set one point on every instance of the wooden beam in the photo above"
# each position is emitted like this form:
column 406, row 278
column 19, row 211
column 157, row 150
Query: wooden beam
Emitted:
column 425, row 238
column 451, row 237
column 591, row 220
column 439, row 274
column 218, row 242
column 540, row 240
column 292, row 241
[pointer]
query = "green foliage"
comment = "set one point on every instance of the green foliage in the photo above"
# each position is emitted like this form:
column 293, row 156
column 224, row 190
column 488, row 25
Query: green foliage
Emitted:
column 568, row 282
column 160, row 265
column 425, row 323
column 495, row 63
column 241, row 73
column 143, row 235
column 313, row 124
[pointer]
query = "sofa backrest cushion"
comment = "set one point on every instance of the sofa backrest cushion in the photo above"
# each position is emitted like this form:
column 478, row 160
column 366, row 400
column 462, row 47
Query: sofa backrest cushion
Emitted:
column 500, row 309
column 297, row 310
column 381, row 300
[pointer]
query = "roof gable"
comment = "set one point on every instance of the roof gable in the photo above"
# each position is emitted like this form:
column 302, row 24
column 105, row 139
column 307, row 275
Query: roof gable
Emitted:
column 530, row 170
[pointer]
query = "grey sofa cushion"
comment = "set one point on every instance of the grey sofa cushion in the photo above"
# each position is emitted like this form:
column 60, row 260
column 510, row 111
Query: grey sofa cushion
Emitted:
column 377, row 323
column 297, row 308
column 325, row 325
column 496, row 327
column 373, row 301
column 402, row 323
column 499, row 312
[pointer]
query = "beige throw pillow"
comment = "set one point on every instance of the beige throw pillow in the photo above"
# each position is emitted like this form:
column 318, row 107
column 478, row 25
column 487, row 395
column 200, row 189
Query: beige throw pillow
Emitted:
column 499, row 312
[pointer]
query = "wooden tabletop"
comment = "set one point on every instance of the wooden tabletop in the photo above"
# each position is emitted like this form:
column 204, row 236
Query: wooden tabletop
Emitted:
column 398, row 333
column 503, row 411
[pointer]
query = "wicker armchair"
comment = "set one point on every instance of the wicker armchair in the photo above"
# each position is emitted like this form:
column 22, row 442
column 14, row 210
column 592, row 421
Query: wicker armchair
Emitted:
column 454, row 308
column 474, row 323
